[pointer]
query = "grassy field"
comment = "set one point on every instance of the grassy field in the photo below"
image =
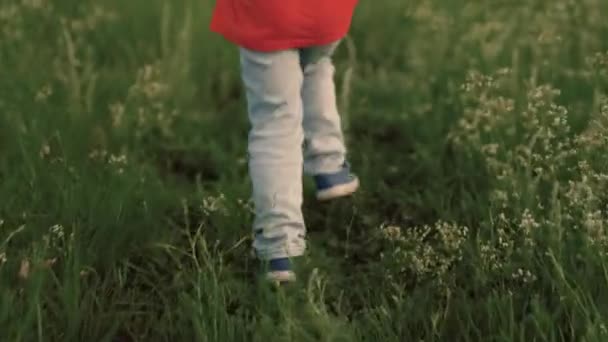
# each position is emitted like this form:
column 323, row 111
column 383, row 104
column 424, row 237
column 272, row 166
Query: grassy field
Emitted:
column 479, row 130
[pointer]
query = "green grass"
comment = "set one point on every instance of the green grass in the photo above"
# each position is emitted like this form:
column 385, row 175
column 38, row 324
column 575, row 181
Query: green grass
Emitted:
column 483, row 213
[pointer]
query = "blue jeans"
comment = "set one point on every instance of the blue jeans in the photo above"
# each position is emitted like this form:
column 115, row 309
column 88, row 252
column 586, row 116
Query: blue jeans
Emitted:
column 295, row 127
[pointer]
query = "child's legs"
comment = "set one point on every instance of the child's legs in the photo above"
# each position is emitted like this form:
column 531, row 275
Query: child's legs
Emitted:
column 273, row 84
column 324, row 143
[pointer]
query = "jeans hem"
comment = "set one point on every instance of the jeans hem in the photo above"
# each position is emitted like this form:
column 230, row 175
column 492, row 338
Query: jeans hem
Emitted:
column 266, row 255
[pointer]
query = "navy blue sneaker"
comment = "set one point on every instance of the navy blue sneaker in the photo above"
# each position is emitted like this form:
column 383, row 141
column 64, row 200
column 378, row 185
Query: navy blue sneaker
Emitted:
column 334, row 185
column 280, row 271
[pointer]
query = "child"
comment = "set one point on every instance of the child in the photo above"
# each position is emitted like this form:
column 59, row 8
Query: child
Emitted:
column 286, row 48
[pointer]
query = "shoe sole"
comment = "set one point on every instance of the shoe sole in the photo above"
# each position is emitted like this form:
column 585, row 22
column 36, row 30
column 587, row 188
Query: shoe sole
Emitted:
column 337, row 191
column 281, row 277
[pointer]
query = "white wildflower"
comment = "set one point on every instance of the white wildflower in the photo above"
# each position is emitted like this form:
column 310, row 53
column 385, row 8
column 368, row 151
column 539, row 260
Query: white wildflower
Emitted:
column 45, row 150
column 57, row 231
column 3, row 258
column 117, row 159
column 391, row 232
column 44, row 93
column 214, row 204
column 524, row 275
column 528, row 222
column 98, row 155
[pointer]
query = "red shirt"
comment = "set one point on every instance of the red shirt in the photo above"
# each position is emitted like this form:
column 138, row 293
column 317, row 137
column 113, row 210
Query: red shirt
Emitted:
column 266, row 25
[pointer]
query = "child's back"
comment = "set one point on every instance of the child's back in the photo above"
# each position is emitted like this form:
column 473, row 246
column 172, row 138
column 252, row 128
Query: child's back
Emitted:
column 267, row 25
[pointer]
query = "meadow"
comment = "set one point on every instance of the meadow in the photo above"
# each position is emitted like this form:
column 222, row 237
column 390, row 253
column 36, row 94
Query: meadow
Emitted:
column 479, row 130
